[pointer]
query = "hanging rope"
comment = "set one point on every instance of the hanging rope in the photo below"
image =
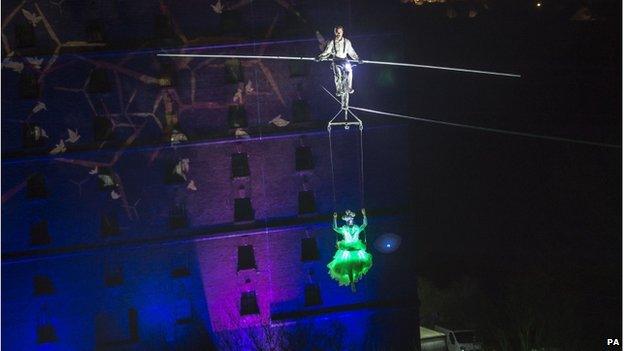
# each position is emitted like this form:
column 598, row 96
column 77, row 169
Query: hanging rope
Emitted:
column 331, row 160
column 362, row 166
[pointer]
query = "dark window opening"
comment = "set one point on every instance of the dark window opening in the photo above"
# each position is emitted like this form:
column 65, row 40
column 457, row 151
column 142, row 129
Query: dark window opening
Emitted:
column 243, row 212
column 25, row 35
column 39, row 234
column 237, row 117
column 36, row 187
column 178, row 218
column 303, row 158
column 246, row 258
column 231, row 23
column 240, row 165
column 163, row 29
column 183, row 313
column 168, row 76
column 109, row 225
column 102, row 129
column 113, row 277
column 234, row 71
column 298, row 68
column 180, row 272
column 95, row 32
column 106, row 179
column 249, row 304
column 98, row 81
column 309, row 249
column 307, row 204
column 313, row 295
column 300, row 111
column 45, row 334
column 117, row 328
column 43, row 285
column 33, row 136
column 28, row 85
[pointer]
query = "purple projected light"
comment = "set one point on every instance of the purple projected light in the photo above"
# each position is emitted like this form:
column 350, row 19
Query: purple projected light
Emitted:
column 387, row 243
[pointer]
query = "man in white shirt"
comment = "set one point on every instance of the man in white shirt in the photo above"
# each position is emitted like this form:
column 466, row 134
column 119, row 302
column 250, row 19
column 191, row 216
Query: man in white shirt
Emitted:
column 339, row 48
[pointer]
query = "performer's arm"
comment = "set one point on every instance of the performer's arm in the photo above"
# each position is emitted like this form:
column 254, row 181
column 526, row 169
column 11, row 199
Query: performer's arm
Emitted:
column 335, row 224
column 364, row 219
column 351, row 52
column 328, row 49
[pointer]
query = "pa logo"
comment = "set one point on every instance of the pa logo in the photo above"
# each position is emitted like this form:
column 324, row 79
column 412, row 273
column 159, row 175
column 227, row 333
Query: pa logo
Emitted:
column 613, row 342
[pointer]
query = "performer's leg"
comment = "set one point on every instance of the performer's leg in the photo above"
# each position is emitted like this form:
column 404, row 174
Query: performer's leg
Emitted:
column 337, row 78
column 349, row 77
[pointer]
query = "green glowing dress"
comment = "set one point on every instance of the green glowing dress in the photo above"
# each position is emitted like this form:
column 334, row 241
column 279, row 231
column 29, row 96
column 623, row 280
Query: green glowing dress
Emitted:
column 351, row 261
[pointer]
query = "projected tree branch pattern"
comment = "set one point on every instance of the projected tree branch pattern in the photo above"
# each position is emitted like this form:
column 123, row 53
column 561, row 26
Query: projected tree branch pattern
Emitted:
column 128, row 84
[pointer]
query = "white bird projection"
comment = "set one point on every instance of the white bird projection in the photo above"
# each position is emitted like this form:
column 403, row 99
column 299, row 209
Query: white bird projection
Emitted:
column 15, row 66
column 40, row 106
column 35, row 62
column 106, row 180
column 217, row 7
column 238, row 97
column 59, row 148
column 240, row 133
column 249, row 88
column 279, row 121
column 31, row 17
column 73, row 136
column 182, row 168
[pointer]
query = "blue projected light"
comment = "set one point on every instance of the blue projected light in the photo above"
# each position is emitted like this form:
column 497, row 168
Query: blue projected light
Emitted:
column 387, row 243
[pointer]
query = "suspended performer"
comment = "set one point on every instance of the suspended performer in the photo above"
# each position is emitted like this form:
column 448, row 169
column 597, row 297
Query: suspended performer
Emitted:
column 351, row 261
column 338, row 49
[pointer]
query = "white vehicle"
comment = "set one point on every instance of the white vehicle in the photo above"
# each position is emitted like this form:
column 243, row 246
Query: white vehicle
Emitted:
column 460, row 339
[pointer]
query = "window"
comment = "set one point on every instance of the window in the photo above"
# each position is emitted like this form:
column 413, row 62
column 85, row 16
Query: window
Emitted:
column 231, row 23
column 43, row 285
column 33, row 136
column 312, row 295
column 94, row 32
column 45, row 334
column 309, row 249
column 36, row 187
column 306, row 202
column 113, row 277
column 167, row 76
column 298, row 68
column 106, row 179
column 39, row 234
column 116, row 328
column 300, row 111
column 180, row 272
column 182, row 312
column 109, row 225
column 176, row 172
column 28, row 85
column 303, row 159
column 163, row 29
column 246, row 258
column 237, row 117
column 25, row 35
column 102, row 129
column 178, row 218
column 98, row 81
column 249, row 304
column 240, row 165
column 243, row 212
